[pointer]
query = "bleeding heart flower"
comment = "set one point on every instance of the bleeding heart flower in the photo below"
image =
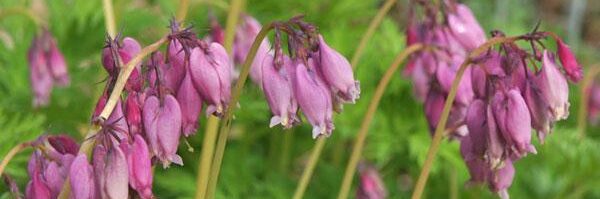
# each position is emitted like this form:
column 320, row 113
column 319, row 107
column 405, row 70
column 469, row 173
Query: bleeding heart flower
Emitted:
column 314, row 99
column 81, row 179
column 191, row 105
column 277, row 87
column 465, row 27
column 338, row 73
column 162, row 123
column 139, row 167
column 569, row 62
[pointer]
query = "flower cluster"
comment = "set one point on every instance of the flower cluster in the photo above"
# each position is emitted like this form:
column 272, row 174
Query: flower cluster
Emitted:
column 503, row 95
column 164, row 96
column 47, row 67
column 432, row 72
column 313, row 77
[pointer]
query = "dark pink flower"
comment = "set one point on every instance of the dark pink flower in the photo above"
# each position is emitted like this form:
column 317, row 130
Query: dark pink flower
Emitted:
column 191, row 105
column 569, row 62
column 139, row 167
column 370, row 185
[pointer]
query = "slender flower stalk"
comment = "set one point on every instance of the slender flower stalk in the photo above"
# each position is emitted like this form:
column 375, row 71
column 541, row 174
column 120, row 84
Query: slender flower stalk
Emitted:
column 210, row 135
column 11, row 154
column 208, row 148
column 226, row 128
column 109, row 18
column 310, row 167
column 364, row 128
column 437, row 137
column 585, row 95
column 182, row 10
column 370, row 31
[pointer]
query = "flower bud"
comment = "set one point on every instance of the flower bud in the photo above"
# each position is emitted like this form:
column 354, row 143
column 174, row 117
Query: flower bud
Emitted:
column 58, row 65
column 140, row 168
column 370, row 185
column 191, row 105
column 277, row 87
column 162, row 124
column 337, row 72
column 314, row 99
column 81, row 179
column 568, row 61
column 465, row 27
column 133, row 113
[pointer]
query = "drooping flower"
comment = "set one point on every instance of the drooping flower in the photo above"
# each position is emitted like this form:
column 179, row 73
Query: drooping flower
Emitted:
column 162, row 124
column 277, row 87
column 191, row 105
column 465, row 27
column 210, row 74
column 81, row 178
column 314, row 99
column 338, row 73
column 139, row 167
column 111, row 172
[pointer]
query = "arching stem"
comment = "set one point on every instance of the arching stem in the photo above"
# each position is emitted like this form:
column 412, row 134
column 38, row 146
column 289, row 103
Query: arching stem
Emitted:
column 437, row 137
column 370, row 31
column 226, row 128
column 310, row 167
column 22, row 11
column 16, row 149
column 364, row 127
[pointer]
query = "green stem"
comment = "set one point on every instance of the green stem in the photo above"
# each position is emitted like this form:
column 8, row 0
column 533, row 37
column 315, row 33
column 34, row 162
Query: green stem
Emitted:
column 232, row 20
column 208, row 147
column 109, row 18
column 364, row 127
column 182, row 10
column 310, row 167
column 226, row 128
column 370, row 31
column 586, row 84
column 437, row 137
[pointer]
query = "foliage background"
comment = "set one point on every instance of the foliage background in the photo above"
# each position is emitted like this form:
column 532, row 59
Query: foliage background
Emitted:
column 266, row 163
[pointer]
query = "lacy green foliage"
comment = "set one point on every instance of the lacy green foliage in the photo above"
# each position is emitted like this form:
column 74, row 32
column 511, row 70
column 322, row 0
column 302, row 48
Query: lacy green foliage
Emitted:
column 253, row 166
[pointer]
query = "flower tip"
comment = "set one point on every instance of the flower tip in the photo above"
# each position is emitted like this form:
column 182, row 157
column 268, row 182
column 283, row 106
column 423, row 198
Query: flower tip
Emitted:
column 503, row 194
column 275, row 120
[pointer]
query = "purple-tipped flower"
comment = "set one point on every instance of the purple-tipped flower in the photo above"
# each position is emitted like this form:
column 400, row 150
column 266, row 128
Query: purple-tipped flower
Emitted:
column 465, row 27
column 81, row 179
column 277, row 87
column 210, row 80
column 140, row 168
column 191, row 105
column 569, row 62
column 162, row 124
column 314, row 99
column 338, row 73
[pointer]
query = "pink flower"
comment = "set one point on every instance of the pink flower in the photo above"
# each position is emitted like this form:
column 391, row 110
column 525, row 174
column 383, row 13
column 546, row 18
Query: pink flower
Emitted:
column 314, row 99
column 569, row 62
column 338, row 73
column 277, row 87
column 162, row 124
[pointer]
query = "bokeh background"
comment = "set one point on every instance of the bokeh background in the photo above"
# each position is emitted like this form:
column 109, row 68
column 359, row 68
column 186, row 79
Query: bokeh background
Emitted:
column 266, row 163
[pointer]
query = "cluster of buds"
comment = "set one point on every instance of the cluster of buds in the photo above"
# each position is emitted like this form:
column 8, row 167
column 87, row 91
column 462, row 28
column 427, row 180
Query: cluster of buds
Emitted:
column 503, row 95
column 312, row 77
column 47, row 67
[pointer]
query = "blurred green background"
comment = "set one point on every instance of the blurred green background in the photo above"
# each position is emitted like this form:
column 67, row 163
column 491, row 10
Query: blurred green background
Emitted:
column 266, row 163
